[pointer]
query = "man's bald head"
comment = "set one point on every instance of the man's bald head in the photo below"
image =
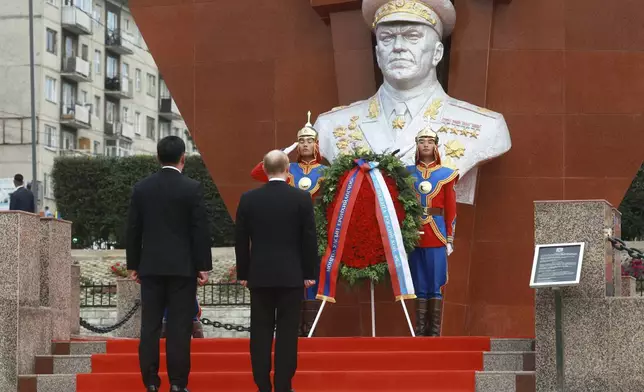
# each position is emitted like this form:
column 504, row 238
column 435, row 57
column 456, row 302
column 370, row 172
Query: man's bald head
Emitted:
column 276, row 163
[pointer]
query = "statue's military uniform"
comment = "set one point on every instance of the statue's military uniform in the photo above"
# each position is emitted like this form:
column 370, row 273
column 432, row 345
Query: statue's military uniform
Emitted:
column 470, row 135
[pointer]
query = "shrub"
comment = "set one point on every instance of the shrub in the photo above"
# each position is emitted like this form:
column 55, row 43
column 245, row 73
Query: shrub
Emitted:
column 94, row 193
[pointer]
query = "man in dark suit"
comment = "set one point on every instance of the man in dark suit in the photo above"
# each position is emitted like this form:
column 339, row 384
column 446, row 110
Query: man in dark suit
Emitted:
column 276, row 253
column 22, row 199
column 168, row 252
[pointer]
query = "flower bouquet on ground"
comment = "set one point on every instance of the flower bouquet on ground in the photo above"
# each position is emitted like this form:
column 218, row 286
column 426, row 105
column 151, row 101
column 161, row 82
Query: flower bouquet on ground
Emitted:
column 635, row 268
column 368, row 218
column 119, row 270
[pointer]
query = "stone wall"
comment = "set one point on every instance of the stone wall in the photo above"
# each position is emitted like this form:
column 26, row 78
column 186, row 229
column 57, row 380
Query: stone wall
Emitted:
column 95, row 264
column 232, row 315
column 601, row 323
column 100, row 317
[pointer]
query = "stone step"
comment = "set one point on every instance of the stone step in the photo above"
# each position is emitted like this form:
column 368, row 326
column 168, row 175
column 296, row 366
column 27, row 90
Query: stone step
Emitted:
column 509, row 361
column 47, row 383
column 78, row 348
column 506, row 345
column 504, row 381
column 63, row 364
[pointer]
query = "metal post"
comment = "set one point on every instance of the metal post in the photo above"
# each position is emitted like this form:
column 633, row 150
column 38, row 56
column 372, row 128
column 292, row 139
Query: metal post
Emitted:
column 34, row 171
column 373, row 312
column 559, row 340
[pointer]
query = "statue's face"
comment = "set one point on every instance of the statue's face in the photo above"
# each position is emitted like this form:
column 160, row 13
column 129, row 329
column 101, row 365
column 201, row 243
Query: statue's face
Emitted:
column 306, row 147
column 407, row 52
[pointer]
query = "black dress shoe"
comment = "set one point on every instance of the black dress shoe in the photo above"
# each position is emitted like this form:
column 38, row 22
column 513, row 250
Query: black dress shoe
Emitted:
column 178, row 389
column 152, row 388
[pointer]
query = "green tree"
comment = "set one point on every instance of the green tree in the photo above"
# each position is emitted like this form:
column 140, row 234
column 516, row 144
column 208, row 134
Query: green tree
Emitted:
column 94, row 194
column 632, row 209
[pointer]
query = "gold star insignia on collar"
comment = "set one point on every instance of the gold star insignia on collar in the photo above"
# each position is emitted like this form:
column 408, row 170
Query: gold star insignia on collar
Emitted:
column 398, row 123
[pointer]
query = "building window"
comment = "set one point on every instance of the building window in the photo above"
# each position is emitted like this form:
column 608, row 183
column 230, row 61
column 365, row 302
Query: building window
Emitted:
column 137, row 80
column 85, row 52
column 126, row 116
column 163, row 89
column 125, row 70
column 164, row 129
column 152, row 85
column 51, row 41
column 50, row 89
column 137, row 123
column 97, row 147
column 127, row 24
column 112, row 67
column 51, row 136
column 110, row 108
column 150, row 128
column 97, row 15
column 69, row 49
column 112, row 21
column 97, row 62
column 69, row 141
column 85, row 5
column 84, row 97
column 97, row 106
column 47, row 185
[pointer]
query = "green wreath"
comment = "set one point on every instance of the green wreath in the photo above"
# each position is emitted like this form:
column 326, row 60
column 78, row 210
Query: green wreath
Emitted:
column 391, row 167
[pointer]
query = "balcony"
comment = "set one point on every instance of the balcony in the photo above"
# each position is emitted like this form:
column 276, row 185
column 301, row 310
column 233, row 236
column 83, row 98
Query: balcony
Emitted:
column 127, row 130
column 168, row 109
column 75, row 116
column 113, row 151
column 119, row 87
column 76, row 20
column 118, row 42
column 76, row 69
column 75, row 153
column 119, row 129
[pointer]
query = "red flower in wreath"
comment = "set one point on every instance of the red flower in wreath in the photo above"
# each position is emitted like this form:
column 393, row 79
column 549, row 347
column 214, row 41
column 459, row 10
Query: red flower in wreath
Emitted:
column 363, row 244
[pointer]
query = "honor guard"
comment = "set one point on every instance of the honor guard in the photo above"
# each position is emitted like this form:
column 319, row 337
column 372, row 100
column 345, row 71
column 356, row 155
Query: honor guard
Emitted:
column 434, row 186
column 305, row 174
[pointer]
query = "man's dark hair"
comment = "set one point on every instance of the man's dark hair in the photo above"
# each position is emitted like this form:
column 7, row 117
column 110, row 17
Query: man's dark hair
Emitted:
column 19, row 178
column 170, row 149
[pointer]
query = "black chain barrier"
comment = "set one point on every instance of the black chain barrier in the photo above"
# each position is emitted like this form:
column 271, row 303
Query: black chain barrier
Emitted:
column 620, row 245
column 227, row 327
column 114, row 327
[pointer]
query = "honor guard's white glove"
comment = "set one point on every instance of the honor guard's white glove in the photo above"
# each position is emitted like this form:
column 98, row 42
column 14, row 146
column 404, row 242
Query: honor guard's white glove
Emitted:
column 402, row 154
column 290, row 148
column 450, row 249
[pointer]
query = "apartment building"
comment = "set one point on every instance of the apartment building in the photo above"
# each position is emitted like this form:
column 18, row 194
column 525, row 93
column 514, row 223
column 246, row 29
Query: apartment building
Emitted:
column 98, row 89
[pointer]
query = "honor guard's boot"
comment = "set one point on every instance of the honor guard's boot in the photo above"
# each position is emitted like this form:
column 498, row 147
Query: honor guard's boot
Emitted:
column 434, row 322
column 421, row 316
column 309, row 311
column 197, row 330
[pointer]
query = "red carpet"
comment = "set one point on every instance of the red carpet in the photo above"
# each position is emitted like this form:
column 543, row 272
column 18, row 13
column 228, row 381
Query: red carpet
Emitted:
column 325, row 364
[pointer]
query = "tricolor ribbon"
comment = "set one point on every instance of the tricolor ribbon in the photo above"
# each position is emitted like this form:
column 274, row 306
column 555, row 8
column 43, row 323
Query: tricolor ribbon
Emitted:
column 388, row 225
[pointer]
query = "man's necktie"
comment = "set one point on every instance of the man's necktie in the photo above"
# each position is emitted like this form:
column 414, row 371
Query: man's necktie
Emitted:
column 399, row 118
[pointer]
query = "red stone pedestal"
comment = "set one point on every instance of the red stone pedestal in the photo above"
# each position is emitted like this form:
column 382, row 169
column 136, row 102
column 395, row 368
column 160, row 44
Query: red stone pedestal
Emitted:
column 351, row 314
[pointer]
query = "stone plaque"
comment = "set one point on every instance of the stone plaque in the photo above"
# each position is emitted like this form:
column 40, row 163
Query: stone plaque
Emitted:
column 557, row 265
